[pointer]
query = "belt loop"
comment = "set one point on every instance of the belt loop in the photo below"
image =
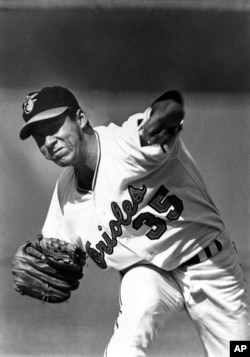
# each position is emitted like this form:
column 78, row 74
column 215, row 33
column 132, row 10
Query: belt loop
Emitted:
column 202, row 255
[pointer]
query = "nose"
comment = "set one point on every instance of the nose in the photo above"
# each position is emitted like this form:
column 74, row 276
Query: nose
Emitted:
column 50, row 142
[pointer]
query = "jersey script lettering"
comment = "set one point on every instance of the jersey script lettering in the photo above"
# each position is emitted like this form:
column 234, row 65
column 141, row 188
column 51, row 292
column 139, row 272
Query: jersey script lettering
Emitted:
column 160, row 202
column 130, row 208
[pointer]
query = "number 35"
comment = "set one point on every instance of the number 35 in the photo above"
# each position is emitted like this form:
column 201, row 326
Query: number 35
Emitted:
column 161, row 203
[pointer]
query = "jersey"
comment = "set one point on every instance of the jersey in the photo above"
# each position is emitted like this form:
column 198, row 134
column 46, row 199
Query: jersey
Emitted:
column 147, row 203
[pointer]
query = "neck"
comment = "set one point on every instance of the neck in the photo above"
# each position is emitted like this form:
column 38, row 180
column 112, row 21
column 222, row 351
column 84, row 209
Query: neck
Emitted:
column 85, row 170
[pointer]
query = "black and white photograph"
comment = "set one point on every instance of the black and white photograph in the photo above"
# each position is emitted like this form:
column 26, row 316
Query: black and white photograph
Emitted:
column 124, row 178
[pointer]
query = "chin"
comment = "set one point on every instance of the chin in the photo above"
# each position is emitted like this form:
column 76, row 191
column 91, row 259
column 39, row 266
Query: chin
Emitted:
column 62, row 164
column 63, row 161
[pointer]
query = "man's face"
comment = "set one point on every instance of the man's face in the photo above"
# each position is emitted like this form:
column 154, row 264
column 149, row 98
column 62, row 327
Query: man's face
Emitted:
column 60, row 140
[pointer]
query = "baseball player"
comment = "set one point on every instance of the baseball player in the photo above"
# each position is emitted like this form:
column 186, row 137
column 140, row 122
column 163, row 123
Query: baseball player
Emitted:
column 133, row 198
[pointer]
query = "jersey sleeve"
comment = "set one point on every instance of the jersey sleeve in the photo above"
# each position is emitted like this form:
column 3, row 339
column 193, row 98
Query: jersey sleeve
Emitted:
column 131, row 147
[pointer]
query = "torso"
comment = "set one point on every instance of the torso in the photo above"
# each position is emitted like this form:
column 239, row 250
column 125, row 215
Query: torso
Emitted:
column 144, row 204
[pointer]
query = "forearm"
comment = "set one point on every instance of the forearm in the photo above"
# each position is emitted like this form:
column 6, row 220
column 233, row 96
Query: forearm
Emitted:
column 165, row 118
column 169, row 113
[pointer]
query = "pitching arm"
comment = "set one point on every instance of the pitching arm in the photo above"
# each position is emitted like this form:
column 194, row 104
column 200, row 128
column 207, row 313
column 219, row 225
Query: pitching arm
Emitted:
column 164, row 118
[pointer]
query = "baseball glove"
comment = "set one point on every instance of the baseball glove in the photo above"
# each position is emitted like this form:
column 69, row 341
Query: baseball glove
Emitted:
column 48, row 269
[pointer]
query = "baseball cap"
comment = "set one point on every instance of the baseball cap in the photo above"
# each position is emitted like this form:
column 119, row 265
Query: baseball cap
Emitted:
column 46, row 104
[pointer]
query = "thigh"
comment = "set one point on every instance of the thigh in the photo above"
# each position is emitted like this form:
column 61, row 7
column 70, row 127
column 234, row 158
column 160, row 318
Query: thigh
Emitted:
column 217, row 301
column 146, row 296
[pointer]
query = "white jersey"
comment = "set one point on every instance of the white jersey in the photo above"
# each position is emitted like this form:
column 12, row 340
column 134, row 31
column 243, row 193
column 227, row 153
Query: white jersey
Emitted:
column 147, row 203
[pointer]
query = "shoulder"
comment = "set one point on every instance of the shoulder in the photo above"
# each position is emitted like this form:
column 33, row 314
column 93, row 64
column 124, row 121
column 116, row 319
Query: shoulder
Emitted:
column 129, row 127
column 121, row 140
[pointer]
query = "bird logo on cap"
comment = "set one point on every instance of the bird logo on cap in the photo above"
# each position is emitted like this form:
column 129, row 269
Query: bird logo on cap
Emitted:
column 29, row 102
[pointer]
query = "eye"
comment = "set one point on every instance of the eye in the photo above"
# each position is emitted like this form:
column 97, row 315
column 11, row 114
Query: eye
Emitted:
column 39, row 136
column 53, row 128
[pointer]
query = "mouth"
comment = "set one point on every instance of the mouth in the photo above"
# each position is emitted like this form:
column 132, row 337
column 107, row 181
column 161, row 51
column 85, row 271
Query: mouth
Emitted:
column 58, row 153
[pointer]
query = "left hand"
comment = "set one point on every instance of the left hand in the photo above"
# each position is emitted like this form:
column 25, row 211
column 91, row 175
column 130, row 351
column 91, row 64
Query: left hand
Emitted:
column 48, row 269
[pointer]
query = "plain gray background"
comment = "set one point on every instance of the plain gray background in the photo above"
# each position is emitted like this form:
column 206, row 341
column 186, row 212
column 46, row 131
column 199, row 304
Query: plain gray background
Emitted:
column 117, row 56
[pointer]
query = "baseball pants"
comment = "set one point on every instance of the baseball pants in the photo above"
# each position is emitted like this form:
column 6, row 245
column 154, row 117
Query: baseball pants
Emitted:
column 213, row 293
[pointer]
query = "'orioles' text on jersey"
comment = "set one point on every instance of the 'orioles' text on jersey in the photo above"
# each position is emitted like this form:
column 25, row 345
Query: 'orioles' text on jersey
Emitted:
column 146, row 204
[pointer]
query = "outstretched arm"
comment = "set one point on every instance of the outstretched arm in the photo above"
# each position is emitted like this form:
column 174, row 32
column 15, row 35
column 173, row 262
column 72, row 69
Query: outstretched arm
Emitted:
column 165, row 117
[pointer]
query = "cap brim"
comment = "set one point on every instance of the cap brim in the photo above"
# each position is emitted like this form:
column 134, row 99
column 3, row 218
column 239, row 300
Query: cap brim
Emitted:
column 47, row 114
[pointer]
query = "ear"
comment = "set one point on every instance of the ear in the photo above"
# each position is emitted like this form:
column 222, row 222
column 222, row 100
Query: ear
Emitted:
column 82, row 118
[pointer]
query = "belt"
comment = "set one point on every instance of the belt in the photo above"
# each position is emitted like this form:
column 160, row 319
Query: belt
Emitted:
column 208, row 252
